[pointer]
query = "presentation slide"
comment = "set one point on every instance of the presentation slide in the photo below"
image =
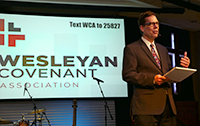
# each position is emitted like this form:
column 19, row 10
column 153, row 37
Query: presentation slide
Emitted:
column 57, row 57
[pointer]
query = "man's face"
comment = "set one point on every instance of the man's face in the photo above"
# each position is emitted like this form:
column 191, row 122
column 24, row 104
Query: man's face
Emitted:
column 151, row 28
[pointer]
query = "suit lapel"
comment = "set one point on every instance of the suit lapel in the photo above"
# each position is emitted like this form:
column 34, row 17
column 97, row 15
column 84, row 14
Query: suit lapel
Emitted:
column 149, row 54
column 161, row 54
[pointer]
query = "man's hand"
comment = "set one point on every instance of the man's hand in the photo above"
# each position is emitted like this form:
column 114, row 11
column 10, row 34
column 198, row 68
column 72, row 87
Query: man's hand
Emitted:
column 160, row 79
column 185, row 61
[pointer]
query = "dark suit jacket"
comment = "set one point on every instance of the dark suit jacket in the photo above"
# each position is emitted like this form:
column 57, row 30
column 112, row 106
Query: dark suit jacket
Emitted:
column 139, row 68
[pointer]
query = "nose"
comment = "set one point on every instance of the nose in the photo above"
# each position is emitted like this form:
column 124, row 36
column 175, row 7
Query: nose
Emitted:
column 156, row 26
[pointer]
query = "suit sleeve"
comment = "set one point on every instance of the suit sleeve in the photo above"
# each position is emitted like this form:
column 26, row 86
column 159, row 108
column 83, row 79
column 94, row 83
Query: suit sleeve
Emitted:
column 130, row 73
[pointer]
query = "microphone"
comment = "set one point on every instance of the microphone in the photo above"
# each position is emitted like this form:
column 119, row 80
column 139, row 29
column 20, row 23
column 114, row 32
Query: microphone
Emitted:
column 25, row 88
column 159, row 34
column 97, row 79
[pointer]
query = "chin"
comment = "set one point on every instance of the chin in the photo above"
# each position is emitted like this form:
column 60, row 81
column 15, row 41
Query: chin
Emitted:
column 156, row 36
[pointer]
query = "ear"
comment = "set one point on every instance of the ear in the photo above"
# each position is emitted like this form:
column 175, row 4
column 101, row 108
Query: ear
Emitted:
column 142, row 28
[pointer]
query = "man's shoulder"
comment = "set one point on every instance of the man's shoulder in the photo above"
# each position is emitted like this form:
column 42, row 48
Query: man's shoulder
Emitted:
column 135, row 43
column 160, row 46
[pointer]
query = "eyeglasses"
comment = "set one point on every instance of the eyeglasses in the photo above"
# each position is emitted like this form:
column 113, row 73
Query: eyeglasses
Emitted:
column 152, row 24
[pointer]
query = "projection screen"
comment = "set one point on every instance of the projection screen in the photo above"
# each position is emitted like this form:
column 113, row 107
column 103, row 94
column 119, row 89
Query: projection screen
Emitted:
column 57, row 57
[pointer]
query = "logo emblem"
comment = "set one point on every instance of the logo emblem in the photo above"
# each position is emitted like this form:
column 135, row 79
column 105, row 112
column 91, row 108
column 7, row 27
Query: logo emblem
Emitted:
column 11, row 37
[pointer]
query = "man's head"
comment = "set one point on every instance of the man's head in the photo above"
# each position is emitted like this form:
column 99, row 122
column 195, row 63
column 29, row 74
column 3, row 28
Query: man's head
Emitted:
column 149, row 25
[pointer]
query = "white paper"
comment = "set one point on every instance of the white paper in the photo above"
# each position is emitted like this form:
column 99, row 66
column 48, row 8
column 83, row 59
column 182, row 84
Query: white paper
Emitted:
column 177, row 74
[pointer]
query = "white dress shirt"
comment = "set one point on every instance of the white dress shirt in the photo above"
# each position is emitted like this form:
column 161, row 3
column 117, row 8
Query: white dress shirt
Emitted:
column 148, row 45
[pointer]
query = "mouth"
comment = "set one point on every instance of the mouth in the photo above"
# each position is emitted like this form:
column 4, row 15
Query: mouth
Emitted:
column 155, row 32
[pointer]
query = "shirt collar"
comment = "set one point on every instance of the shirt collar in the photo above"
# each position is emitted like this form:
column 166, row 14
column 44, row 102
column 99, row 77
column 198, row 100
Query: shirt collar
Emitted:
column 148, row 45
column 147, row 42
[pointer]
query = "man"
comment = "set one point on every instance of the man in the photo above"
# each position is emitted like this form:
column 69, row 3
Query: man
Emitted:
column 143, row 66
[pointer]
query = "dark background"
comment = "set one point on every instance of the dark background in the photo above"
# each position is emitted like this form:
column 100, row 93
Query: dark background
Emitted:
column 132, row 33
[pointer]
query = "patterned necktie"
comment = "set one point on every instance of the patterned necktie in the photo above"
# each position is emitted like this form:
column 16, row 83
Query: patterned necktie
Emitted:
column 155, row 55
